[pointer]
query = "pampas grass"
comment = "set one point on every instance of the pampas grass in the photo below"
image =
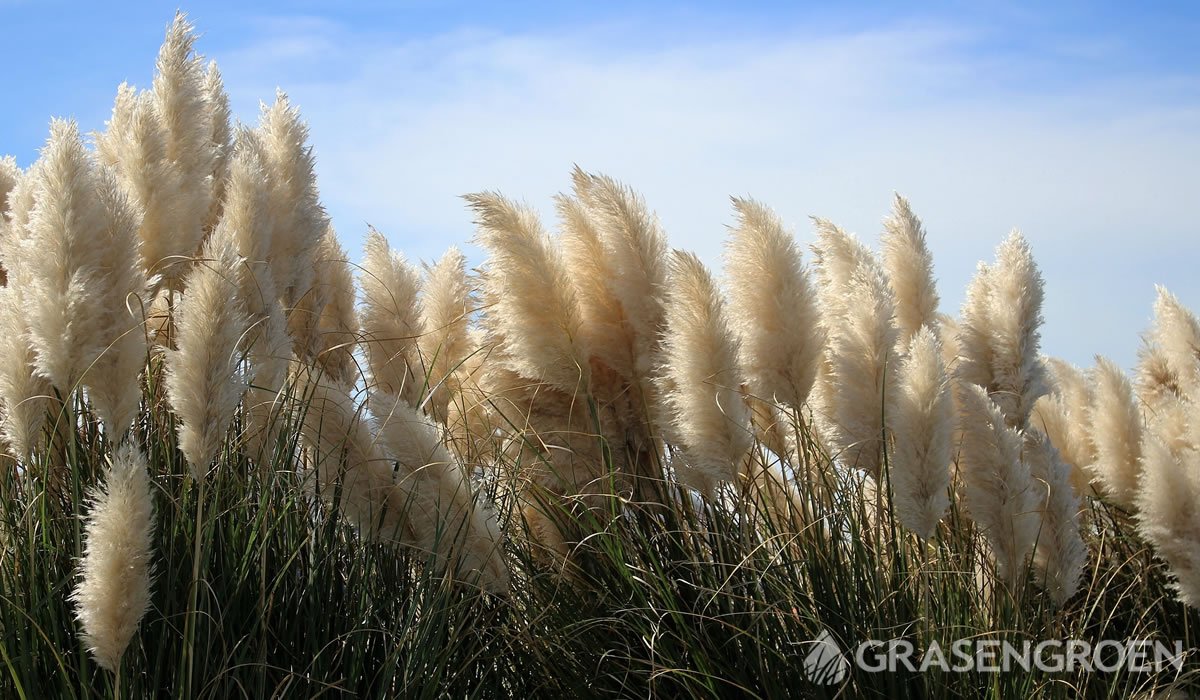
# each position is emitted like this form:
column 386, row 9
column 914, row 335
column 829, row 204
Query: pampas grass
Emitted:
column 113, row 592
column 447, row 302
column 922, row 428
column 863, row 374
column 59, row 255
column 529, row 304
column 909, row 266
column 772, row 308
column 1167, row 513
column 391, row 320
column 204, row 381
column 999, row 331
column 997, row 488
column 1116, row 430
column 709, row 422
column 443, row 515
column 1060, row 554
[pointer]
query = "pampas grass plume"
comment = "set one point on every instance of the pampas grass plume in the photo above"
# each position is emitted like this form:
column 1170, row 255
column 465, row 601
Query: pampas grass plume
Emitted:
column 998, row 490
column 772, row 308
column 528, row 298
column 1116, row 429
column 440, row 507
column 909, row 266
column 1167, row 515
column 113, row 592
column 923, row 427
column 709, row 420
column 1060, row 554
column 204, row 383
column 391, row 320
column 446, row 303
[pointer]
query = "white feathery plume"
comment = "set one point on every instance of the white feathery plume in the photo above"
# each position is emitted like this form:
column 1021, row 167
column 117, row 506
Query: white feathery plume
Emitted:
column 337, row 325
column 247, row 222
column 60, row 256
column 112, row 381
column 23, row 393
column 709, row 421
column 1176, row 331
column 10, row 174
column 113, row 592
column 837, row 255
column 222, row 139
column 340, row 435
column 604, row 328
column 1169, row 489
column 998, row 490
column 635, row 249
column 181, row 99
column 391, row 320
column 135, row 146
column 909, row 266
column 299, row 221
column 999, row 334
column 1116, row 428
column 204, row 383
column 863, row 370
column 529, row 304
column 1060, row 554
column 923, row 428
column 1156, row 380
column 1064, row 416
column 772, row 308
column 440, row 506
column 446, row 305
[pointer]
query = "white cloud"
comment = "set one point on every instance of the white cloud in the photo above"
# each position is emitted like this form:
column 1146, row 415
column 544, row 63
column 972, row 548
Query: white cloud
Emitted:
column 1101, row 176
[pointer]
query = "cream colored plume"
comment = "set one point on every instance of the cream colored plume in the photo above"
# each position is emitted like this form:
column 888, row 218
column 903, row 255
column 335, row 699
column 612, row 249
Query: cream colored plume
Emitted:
column 772, row 308
column 604, row 328
column 1167, row 515
column 1064, row 416
column 298, row 219
column 248, row 224
column 446, row 305
column 391, row 320
column 345, row 453
column 113, row 592
column 222, row 138
column 635, row 250
column 337, row 322
column 204, row 382
column 113, row 379
column 1116, row 428
column 864, row 369
column 1000, row 331
column 909, row 266
column 59, row 255
column 922, row 427
column 10, row 173
column 709, row 421
column 998, row 490
column 23, row 393
column 529, row 304
column 1176, row 331
column 441, row 509
column 837, row 255
column 160, row 144
column 1060, row 554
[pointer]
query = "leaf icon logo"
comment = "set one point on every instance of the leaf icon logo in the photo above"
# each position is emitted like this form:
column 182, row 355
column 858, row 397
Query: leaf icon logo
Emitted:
column 825, row 663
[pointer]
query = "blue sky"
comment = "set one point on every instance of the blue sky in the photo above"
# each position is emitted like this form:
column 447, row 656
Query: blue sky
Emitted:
column 1077, row 123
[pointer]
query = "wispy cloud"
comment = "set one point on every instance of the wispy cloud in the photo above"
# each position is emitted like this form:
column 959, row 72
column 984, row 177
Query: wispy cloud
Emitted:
column 1100, row 172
